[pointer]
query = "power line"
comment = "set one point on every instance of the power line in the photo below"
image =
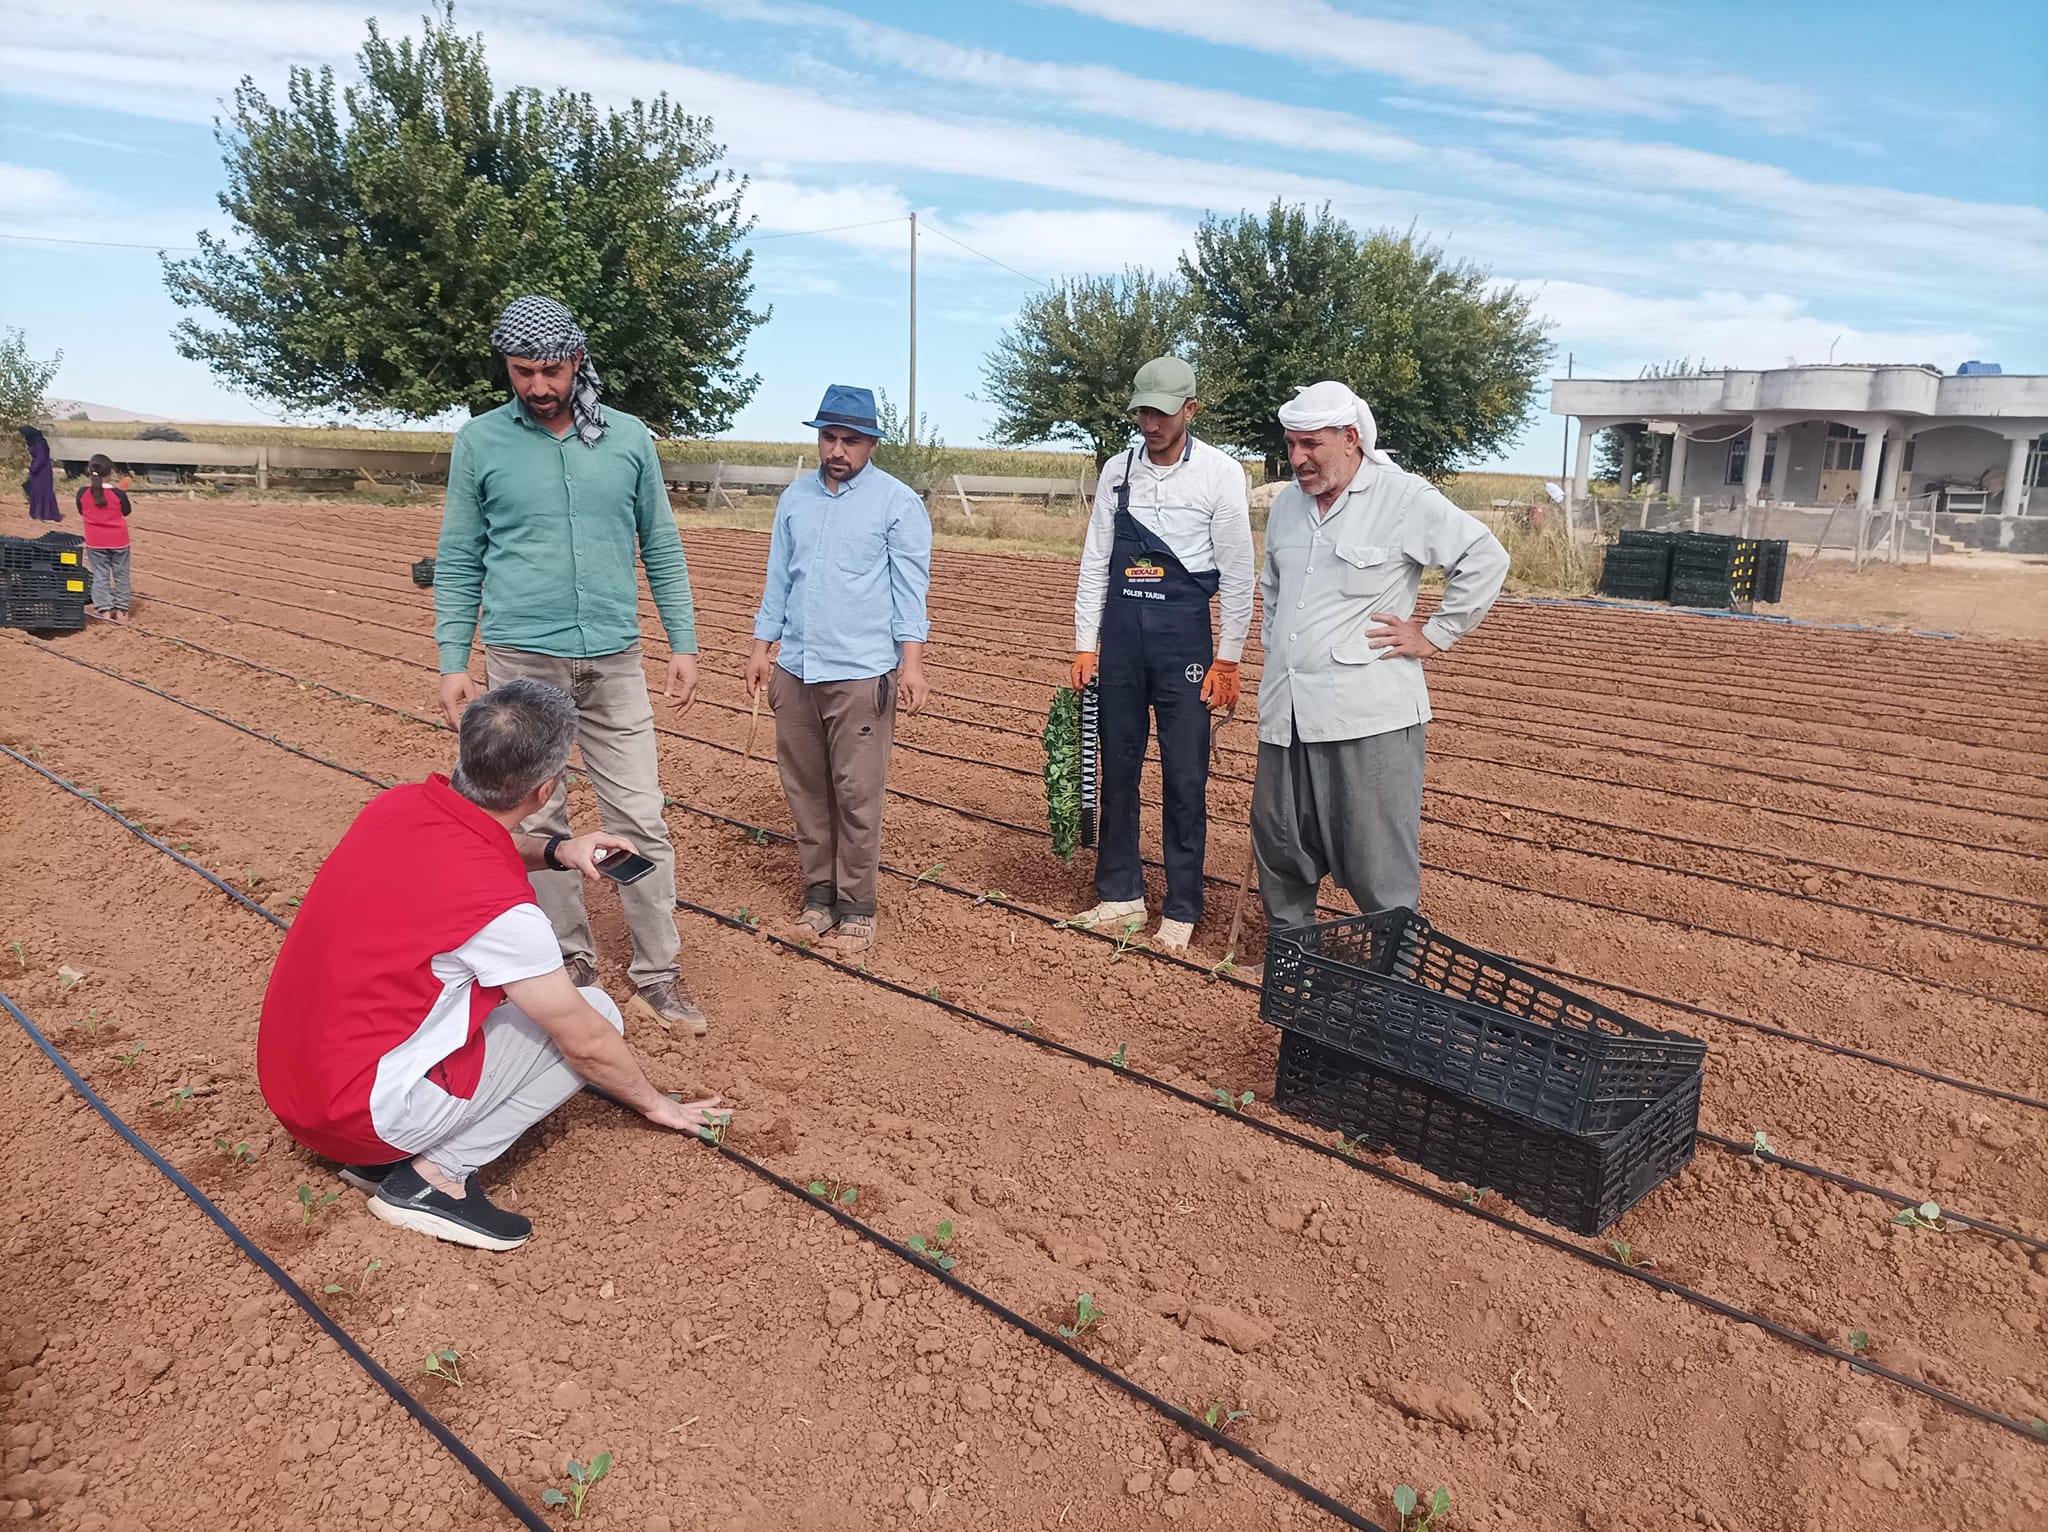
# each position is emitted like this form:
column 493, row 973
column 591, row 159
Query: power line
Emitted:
column 831, row 229
column 104, row 244
column 1012, row 270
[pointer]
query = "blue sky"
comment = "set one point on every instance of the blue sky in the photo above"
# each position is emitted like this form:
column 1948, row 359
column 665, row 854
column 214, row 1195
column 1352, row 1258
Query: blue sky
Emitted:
column 1739, row 183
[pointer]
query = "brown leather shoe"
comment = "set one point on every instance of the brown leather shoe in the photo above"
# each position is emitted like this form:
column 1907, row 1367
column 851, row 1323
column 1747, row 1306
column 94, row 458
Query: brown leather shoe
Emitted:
column 582, row 972
column 669, row 1003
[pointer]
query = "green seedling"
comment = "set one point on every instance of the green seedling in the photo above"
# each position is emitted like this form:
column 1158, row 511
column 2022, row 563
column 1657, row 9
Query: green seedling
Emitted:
column 1127, row 941
column 712, row 1132
column 251, row 878
column 292, row 903
column 933, row 1246
column 69, row 977
column 362, row 1282
column 1087, row 1315
column 748, row 918
column 1227, row 967
column 831, row 1189
column 445, row 1364
column 1625, row 1253
column 2038, row 1428
column 1407, row 1503
column 1859, row 1342
column 93, row 1020
column 929, row 875
column 1759, row 1146
column 1232, row 1103
column 1925, row 1216
column 20, row 953
column 1221, row 1416
column 583, row 1478
column 127, row 1060
column 237, row 1154
column 309, row 1204
column 930, row 994
column 757, row 835
column 992, row 896
column 1473, row 1196
column 179, row 1097
column 1118, row 1059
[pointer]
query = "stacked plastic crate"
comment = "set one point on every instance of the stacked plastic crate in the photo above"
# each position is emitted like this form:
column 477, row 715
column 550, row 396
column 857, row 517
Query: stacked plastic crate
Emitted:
column 43, row 583
column 1700, row 569
column 1477, row 1068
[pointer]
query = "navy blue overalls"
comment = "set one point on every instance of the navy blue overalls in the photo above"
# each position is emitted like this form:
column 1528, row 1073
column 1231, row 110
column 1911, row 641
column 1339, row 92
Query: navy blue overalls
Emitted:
column 1155, row 650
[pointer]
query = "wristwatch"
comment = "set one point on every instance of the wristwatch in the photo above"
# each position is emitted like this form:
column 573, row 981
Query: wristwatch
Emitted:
column 548, row 855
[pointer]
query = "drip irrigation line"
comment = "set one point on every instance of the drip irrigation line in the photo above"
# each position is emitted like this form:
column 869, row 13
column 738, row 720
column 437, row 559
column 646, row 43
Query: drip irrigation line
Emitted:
column 475, row 1466
column 1193, row 1424
column 1455, row 872
column 1687, row 1007
column 1394, row 1178
column 1897, row 1199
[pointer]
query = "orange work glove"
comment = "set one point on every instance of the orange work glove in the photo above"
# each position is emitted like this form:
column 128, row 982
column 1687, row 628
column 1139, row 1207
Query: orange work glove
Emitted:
column 1084, row 669
column 1222, row 688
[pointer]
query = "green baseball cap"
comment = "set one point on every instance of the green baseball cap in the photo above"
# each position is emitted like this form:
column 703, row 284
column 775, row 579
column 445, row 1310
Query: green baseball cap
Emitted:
column 1163, row 384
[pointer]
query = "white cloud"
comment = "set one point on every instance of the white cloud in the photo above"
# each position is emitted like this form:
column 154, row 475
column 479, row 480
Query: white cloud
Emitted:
column 25, row 189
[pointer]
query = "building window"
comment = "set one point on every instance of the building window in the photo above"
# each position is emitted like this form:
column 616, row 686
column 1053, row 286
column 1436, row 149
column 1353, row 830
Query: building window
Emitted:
column 1738, row 457
column 1844, row 447
column 2037, row 463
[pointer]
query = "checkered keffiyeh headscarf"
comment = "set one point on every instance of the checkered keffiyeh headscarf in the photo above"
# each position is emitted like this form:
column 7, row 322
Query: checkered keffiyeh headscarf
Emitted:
column 541, row 330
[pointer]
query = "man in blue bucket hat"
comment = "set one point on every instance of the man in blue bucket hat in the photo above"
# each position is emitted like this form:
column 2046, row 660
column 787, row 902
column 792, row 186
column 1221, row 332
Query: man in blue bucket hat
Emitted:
column 849, row 563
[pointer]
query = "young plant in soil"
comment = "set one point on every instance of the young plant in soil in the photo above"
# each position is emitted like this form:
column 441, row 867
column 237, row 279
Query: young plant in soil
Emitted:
column 69, row 977
column 1222, row 1414
column 179, row 1097
column 1128, row 940
column 1408, row 1504
column 1087, row 1315
column 93, row 1021
column 992, row 896
column 20, row 952
column 1926, row 1216
column 841, row 1194
column 758, row 836
column 362, row 1282
column 309, row 1204
column 1232, row 1103
column 127, row 1060
column 1118, row 1060
column 445, row 1364
column 933, row 1246
column 1625, row 1253
column 235, row 1154
column 929, row 875
column 712, row 1132
column 583, row 1478
column 1474, row 1196
column 1227, row 967
column 1759, row 1146
column 748, row 918
column 1859, row 1342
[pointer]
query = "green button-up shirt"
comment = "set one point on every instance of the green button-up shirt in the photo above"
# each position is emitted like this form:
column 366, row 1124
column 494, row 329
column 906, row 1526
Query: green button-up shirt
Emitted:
column 543, row 531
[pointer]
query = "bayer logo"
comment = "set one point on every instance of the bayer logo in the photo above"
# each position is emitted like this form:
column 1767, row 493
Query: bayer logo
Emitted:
column 1194, row 674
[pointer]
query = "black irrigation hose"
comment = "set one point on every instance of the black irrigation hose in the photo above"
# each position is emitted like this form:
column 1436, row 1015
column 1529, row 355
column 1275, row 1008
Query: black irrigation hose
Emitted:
column 1191, row 1423
column 475, row 1466
column 1394, row 1178
column 1767, row 1029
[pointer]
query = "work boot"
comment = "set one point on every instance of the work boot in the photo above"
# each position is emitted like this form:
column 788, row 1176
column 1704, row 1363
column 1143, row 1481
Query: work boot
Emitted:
column 582, row 972
column 1174, row 936
column 1111, row 915
column 856, row 933
column 669, row 1003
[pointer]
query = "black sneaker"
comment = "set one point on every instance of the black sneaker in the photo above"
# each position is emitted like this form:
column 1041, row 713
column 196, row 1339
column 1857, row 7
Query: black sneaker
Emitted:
column 407, row 1200
column 367, row 1178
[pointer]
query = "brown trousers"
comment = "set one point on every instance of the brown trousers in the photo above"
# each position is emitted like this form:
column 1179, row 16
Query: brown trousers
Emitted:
column 832, row 741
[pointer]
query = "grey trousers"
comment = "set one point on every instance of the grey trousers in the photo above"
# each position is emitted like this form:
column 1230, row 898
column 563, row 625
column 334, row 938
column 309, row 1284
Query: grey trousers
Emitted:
column 524, row 1078
column 109, row 577
column 832, row 741
column 1350, row 809
column 615, row 730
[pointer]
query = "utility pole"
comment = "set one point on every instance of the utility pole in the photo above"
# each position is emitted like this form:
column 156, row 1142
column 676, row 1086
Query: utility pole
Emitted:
column 910, row 426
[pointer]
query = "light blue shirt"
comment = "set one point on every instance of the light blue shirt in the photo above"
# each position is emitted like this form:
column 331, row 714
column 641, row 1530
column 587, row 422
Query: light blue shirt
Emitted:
column 847, row 576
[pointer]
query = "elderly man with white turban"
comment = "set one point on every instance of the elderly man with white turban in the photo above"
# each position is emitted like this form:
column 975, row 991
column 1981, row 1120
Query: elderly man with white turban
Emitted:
column 552, row 499
column 1342, row 702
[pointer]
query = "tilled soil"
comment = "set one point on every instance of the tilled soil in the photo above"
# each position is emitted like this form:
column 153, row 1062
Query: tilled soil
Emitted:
column 750, row 1364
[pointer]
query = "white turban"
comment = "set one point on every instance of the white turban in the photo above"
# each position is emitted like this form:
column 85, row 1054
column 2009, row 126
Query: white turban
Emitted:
column 1331, row 406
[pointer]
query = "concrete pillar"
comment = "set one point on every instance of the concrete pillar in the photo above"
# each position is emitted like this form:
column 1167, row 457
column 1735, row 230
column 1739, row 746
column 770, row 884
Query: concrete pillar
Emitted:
column 1873, row 455
column 1674, row 476
column 1753, row 469
column 2015, row 477
column 1628, row 459
column 1584, row 465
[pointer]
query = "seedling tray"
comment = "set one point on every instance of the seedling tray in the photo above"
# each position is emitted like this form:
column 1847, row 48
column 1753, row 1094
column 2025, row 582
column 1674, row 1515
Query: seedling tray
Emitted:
column 1392, row 989
column 1584, row 1183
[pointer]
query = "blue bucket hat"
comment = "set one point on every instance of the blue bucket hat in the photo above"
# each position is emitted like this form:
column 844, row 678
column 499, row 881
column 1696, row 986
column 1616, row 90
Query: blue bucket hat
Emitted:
column 853, row 408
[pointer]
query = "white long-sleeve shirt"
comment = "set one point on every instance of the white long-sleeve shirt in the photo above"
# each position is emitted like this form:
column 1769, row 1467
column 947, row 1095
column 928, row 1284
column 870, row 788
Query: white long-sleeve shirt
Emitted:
column 1199, row 508
column 1326, row 577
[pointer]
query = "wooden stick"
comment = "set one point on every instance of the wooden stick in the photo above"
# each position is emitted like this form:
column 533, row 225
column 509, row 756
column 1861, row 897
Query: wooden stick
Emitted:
column 1237, row 908
column 753, row 727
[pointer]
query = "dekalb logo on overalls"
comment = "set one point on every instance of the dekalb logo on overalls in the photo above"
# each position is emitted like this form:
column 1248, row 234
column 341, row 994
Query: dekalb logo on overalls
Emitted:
column 1145, row 569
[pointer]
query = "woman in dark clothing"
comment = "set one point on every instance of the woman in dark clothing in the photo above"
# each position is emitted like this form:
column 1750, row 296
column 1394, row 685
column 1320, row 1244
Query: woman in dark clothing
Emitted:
column 40, row 485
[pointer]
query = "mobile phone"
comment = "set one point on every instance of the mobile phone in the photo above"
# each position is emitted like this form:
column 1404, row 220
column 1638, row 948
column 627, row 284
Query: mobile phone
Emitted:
column 624, row 866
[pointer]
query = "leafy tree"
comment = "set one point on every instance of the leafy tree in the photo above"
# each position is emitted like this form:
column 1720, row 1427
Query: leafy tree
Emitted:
column 385, row 227
column 1652, row 451
column 1447, row 357
column 23, row 382
column 917, row 463
column 1063, row 371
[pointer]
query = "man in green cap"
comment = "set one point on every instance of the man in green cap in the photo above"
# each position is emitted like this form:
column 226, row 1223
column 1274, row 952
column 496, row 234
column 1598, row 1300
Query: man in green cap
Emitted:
column 1171, row 531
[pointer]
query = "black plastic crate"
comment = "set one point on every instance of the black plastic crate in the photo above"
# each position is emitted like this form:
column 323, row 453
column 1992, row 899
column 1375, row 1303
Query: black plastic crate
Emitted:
column 1643, row 537
column 1391, row 988
column 1636, row 572
column 1584, row 1183
column 51, row 551
column 1770, row 569
column 43, row 600
column 1703, row 591
column 423, row 573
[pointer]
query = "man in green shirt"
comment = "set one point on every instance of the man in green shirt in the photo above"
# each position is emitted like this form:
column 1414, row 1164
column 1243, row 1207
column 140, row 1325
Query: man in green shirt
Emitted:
column 550, row 499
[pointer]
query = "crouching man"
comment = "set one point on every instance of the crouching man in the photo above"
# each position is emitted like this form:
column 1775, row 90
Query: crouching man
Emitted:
column 419, row 1018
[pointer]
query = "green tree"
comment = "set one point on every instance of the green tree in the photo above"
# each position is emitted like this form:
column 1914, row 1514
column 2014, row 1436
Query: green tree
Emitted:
column 23, row 383
column 384, row 227
column 1062, row 373
column 1447, row 357
column 917, row 462
column 1652, row 451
